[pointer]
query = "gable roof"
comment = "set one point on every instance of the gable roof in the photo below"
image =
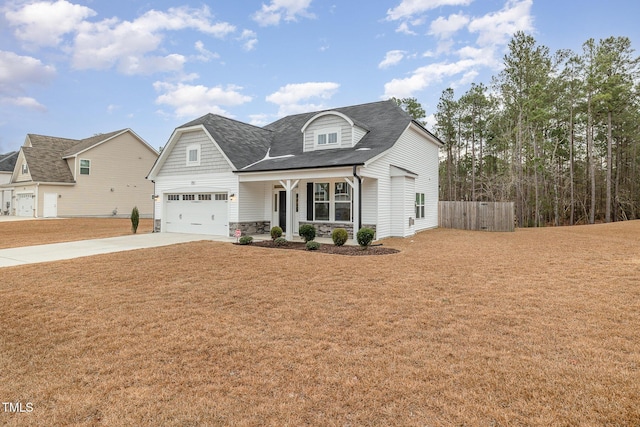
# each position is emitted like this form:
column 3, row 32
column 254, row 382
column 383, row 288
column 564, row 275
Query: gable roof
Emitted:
column 45, row 155
column 8, row 161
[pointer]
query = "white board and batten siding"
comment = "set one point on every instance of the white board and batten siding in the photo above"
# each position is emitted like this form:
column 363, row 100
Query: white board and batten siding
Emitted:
column 403, row 155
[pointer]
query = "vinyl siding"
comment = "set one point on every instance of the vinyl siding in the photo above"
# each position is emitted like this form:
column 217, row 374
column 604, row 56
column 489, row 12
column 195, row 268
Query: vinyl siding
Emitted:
column 415, row 153
column 369, row 201
column 116, row 181
column 210, row 157
column 326, row 122
column 251, row 201
column 21, row 177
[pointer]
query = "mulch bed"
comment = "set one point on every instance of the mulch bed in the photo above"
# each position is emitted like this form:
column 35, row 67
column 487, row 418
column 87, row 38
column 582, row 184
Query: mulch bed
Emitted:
column 376, row 249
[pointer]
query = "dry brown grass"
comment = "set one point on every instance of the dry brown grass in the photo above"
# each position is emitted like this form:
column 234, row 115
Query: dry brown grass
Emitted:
column 42, row 231
column 532, row 328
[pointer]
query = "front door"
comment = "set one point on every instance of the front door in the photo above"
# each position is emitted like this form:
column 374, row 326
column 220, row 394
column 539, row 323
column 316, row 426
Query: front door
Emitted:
column 282, row 210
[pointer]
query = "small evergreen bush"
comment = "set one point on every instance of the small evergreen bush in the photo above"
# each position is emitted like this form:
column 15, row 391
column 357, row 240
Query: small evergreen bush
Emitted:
column 276, row 232
column 307, row 232
column 312, row 246
column 279, row 241
column 339, row 236
column 245, row 240
column 365, row 237
column 135, row 219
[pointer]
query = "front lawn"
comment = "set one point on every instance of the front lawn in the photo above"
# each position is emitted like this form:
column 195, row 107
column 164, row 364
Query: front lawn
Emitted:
column 536, row 327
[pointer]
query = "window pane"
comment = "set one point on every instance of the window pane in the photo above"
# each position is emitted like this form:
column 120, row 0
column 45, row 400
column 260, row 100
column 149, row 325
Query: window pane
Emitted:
column 343, row 211
column 322, row 192
column 193, row 155
column 322, row 212
column 333, row 138
column 342, row 192
column 422, row 198
column 421, row 211
column 322, row 139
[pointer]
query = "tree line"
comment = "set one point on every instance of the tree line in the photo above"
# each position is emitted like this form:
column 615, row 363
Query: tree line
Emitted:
column 556, row 133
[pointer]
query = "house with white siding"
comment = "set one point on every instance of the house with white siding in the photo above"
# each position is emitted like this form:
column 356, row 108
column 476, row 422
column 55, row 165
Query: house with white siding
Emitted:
column 103, row 175
column 368, row 165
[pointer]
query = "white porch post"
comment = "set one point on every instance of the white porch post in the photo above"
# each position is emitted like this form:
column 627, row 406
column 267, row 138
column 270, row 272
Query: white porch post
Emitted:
column 288, row 186
column 356, row 207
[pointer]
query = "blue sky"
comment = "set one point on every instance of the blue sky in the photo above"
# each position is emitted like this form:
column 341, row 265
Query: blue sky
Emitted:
column 75, row 68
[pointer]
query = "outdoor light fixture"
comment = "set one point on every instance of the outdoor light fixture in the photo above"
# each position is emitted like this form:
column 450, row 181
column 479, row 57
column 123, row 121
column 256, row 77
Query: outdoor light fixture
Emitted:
column 232, row 197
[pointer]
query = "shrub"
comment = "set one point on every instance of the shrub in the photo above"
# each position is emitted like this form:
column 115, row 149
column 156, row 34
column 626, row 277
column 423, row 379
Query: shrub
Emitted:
column 365, row 237
column 276, row 232
column 245, row 240
column 135, row 219
column 279, row 241
column 339, row 236
column 312, row 246
column 307, row 232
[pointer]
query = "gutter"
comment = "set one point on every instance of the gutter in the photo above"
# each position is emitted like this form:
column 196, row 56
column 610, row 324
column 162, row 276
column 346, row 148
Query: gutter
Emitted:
column 355, row 175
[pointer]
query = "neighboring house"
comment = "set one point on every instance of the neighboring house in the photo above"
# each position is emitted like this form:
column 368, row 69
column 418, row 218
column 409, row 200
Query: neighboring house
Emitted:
column 7, row 163
column 365, row 165
column 103, row 175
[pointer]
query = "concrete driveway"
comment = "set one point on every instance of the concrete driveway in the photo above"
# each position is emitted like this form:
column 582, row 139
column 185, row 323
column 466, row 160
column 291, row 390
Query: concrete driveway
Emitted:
column 60, row 251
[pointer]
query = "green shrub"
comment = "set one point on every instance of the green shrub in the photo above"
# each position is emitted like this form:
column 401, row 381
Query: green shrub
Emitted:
column 312, row 246
column 245, row 240
column 307, row 232
column 339, row 236
column 279, row 241
column 276, row 232
column 365, row 237
column 135, row 219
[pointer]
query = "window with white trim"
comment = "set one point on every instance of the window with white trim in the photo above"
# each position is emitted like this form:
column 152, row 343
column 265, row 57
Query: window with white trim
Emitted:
column 321, row 201
column 25, row 168
column 193, row 155
column 332, row 201
column 419, row 205
column 327, row 138
column 85, row 167
column 342, row 198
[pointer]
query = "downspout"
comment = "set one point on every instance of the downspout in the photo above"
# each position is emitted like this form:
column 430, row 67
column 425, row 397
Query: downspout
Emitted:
column 36, row 200
column 355, row 175
column 153, row 215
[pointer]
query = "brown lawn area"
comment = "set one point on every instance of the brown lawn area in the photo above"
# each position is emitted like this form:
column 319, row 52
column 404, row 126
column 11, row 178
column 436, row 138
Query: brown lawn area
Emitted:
column 42, row 231
column 540, row 327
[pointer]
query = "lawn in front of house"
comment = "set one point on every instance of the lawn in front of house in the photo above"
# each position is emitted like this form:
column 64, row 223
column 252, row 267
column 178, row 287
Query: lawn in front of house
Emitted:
column 16, row 234
column 536, row 327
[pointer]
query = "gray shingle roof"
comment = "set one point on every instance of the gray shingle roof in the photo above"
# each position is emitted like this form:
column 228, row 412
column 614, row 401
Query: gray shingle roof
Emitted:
column 46, row 155
column 246, row 145
column 8, row 161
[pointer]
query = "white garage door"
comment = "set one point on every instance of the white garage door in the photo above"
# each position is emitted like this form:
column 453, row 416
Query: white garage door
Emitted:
column 199, row 213
column 24, row 204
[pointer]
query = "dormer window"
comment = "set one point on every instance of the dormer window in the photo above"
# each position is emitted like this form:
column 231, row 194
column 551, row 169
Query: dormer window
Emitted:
column 25, row 168
column 193, row 155
column 327, row 138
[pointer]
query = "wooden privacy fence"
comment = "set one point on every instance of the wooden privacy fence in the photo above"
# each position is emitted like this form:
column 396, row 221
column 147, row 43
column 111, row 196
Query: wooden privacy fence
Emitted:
column 481, row 216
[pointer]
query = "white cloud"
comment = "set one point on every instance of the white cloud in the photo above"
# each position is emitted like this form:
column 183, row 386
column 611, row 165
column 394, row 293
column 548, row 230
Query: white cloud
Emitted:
column 446, row 27
column 425, row 76
column 250, row 39
column 205, row 55
column 289, row 10
column 290, row 98
column 19, row 72
column 129, row 45
column 44, row 23
column 392, row 57
column 197, row 100
column 259, row 119
column 23, row 102
column 498, row 27
column 409, row 8
column 404, row 28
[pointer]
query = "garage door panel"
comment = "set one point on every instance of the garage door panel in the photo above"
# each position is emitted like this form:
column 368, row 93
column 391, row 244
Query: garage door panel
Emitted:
column 197, row 213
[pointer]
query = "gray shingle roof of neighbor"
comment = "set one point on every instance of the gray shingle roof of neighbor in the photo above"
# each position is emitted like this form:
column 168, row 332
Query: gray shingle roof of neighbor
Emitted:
column 8, row 161
column 246, row 145
column 46, row 155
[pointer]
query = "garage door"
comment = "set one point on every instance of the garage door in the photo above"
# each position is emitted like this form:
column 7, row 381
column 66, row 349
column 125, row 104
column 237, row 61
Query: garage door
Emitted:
column 24, row 204
column 199, row 213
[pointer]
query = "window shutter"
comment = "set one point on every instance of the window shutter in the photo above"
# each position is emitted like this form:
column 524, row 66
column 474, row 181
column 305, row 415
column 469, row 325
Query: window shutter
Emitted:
column 309, row 201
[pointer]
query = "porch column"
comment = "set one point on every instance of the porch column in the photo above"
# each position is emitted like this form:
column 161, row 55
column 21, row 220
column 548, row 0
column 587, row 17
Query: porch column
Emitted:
column 288, row 186
column 356, row 207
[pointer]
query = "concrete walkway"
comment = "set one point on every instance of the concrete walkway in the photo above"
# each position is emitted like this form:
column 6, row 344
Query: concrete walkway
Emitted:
column 68, row 250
